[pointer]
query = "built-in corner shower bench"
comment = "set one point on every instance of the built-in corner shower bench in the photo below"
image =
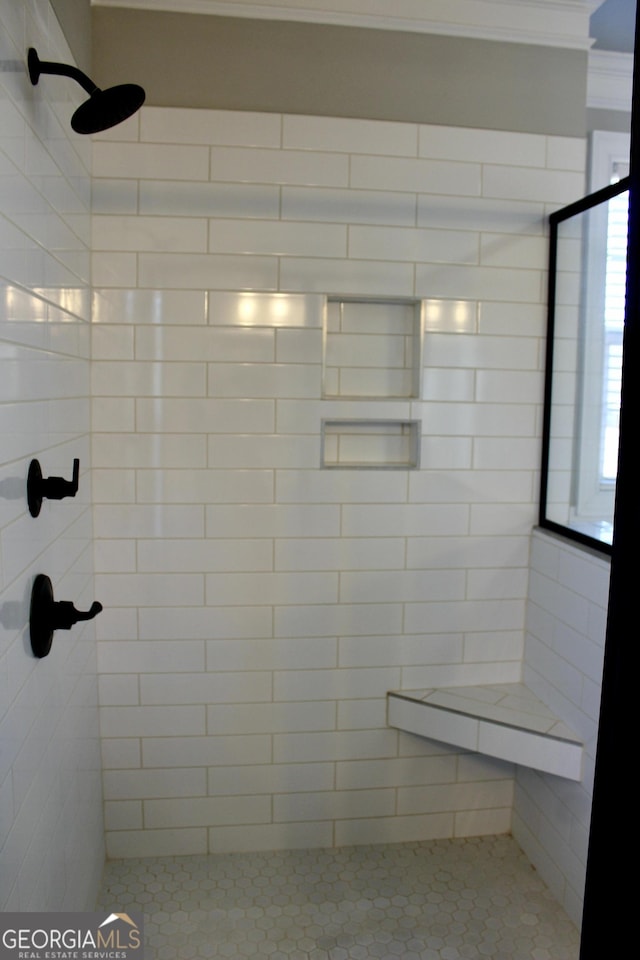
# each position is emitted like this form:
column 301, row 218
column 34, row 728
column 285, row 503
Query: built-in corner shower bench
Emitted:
column 503, row 720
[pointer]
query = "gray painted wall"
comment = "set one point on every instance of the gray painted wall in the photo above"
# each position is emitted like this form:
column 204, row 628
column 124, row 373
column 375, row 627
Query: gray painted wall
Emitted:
column 74, row 17
column 192, row 60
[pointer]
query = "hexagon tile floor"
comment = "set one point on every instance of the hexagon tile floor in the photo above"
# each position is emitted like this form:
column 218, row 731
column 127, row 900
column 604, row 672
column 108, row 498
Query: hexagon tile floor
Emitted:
column 435, row 900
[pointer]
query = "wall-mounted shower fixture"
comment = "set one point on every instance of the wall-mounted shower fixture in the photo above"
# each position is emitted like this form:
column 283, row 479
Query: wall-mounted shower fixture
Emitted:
column 51, row 488
column 104, row 108
column 47, row 615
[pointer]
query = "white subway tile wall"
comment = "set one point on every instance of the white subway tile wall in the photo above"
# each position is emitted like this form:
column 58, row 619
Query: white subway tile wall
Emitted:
column 259, row 606
column 563, row 657
column 51, row 824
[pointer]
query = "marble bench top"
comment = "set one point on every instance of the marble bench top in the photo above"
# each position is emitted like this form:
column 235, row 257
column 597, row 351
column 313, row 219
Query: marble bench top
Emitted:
column 504, row 720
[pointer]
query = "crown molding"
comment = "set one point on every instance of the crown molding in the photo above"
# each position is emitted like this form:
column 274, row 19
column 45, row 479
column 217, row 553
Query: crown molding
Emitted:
column 555, row 23
column 609, row 80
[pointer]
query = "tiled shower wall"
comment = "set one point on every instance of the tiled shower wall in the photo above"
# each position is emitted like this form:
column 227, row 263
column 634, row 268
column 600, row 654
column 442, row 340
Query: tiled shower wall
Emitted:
column 51, row 825
column 259, row 607
column 563, row 657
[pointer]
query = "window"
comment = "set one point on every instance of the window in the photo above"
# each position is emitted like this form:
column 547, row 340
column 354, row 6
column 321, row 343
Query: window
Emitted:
column 587, row 279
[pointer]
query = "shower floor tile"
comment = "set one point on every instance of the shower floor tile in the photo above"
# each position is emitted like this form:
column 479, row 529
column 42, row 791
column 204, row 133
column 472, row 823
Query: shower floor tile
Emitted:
column 435, row 900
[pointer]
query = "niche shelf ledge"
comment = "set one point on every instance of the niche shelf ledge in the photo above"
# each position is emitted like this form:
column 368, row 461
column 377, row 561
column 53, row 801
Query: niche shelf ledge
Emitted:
column 503, row 720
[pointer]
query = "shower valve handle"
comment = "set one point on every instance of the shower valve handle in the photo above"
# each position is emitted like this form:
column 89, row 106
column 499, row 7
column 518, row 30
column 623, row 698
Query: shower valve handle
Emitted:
column 50, row 488
column 47, row 615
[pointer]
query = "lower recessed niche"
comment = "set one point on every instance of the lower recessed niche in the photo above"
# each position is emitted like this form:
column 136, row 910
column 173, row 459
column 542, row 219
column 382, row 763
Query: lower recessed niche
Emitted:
column 370, row 444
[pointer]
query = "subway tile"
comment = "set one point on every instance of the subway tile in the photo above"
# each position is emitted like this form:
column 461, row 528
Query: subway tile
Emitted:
column 548, row 186
column 298, row 346
column 362, row 714
column 272, row 836
column 143, row 521
column 113, row 269
column 288, row 653
column 199, row 623
column 359, row 553
column 349, row 135
column 401, row 772
column 184, row 125
column 478, row 283
column 122, row 815
column 139, row 656
column 244, row 718
column 400, row 586
column 278, row 166
column 205, row 811
column 122, row 378
column 148, row 450
column 498, row 250
column 262, row 589
column 343, row 804
column 255, row 451
column 388, row 520
column 453, row 797
column 112, row 343
column 152, row 721
column 276, row 380
column 518, row 216
column 116, row 691
column 272, row 778
column 361, row 277
column 342, row 745
column 416, row 175
column 204, row 556
column 150, row 843
column 394, row 243
column 343, row 684
column 566, row 153
column 114, row 555
column 306, row 486
column 393, row 829
column 206, row 688
column 512, row 319
column 130, row 306
column 175, row 234
column 193, row 271
column 195, row 751
column 338, row 619
column 144, row 161
column 465, row 615
column 401, row 651
column 324, row 204
column 150, row 590
column 506, row 486
column 485, row 146
column 247, row 309
column 221, row 345
column 273, row 520
column 114, row 196
column 120, row 753
column 173, row 198
column 277, row 239
column 204, row 486
column 151, row 784
column 205, row 416
column 503, row 353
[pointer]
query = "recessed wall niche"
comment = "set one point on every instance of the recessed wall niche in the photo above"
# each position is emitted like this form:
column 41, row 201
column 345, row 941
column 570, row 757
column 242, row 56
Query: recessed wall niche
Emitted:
column 371, row 444
column 372, row 349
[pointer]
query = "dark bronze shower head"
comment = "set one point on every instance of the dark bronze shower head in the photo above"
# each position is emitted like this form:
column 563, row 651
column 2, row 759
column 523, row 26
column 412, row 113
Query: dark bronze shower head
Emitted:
column 104, row 108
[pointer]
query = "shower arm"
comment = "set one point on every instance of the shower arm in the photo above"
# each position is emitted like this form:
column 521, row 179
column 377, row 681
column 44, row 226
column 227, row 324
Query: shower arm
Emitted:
column 36, row 66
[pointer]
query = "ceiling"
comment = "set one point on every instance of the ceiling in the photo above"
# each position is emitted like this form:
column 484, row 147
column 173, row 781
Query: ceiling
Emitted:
column 613, row 26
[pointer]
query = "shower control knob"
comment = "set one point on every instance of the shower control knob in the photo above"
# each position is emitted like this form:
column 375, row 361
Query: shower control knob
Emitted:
column 50, row 488
column 47, row 615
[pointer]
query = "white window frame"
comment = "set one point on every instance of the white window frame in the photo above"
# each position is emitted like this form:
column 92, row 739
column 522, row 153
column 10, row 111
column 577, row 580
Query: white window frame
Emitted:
column 594, row 499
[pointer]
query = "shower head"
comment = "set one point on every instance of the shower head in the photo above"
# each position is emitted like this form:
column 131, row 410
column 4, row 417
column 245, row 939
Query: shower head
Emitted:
column 104, row 108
